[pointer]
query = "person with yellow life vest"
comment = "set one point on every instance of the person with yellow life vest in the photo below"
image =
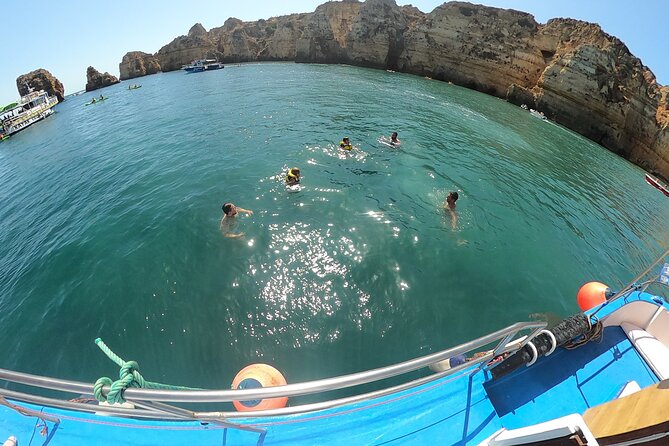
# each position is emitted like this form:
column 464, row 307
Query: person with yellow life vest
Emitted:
column 293, row 176
column 346, row 144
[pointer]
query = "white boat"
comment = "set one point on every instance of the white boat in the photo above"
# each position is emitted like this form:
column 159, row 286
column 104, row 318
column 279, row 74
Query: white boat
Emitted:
column 203, row 65
column 538, row 114
column 32, row 107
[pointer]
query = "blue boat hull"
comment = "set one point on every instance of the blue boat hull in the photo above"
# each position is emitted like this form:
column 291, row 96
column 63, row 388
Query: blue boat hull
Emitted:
column 461, row 409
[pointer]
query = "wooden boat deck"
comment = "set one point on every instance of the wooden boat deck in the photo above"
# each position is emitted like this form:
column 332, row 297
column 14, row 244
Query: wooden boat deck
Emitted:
column 639, row 414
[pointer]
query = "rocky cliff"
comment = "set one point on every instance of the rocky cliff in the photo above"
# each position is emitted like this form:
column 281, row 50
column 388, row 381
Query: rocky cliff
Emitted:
column 41, row 80
column 137, row 63
column 574, row 72
column 184, row 49
column 96, row 80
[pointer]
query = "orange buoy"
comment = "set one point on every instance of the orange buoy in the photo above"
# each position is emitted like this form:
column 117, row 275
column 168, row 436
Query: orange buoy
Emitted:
column 592, row 294
column 256, row 376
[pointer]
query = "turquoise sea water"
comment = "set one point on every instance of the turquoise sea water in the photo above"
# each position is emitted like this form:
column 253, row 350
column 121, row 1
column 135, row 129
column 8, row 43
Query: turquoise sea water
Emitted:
column 109, row 221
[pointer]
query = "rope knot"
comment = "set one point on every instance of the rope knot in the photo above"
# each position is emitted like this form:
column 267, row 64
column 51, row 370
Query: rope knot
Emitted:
column 98, row 387
column 130, row 373
column 129, row 376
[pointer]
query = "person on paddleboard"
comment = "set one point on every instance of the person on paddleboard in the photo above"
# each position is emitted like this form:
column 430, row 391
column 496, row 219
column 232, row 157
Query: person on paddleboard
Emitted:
column 229, row 220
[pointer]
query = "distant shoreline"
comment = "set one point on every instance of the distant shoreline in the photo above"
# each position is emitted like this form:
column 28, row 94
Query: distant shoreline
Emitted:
column 572, row 71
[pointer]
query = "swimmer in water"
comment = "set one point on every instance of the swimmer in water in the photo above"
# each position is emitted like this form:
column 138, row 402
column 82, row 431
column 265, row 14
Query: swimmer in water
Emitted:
column 449, row 205
column 346, row 144
column 393, row 139
column 293, row 176
column 229, row 220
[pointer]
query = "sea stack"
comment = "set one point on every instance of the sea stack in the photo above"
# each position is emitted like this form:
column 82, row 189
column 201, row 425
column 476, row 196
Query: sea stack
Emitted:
column 96, row 80
column 137, row 63
column 41, row 79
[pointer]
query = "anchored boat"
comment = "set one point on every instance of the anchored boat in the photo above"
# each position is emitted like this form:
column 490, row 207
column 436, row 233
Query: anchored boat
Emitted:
column 203, row 65
column 657, row 184
column 32, row 107
column 594, row 379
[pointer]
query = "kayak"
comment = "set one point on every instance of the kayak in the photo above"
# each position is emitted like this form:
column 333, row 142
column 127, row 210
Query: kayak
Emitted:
column 96, row 101
column 657, row 184
column 8, row 106
column 3, row 137
column 134, row 88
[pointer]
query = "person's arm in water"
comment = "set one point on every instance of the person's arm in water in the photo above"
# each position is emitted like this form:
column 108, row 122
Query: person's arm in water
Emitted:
column 246, row 211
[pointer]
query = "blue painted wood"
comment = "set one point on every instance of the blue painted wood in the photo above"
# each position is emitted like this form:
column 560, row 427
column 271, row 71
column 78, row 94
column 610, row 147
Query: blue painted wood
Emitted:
column 569, row 381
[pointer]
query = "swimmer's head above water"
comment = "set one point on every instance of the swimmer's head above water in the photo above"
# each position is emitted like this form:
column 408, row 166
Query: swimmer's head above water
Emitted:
column 451, row 199
column 293, row 175
column 229, row 209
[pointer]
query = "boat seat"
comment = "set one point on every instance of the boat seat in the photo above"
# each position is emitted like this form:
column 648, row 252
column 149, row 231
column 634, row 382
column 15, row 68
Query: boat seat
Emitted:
column 654, row 352
column 658, row 326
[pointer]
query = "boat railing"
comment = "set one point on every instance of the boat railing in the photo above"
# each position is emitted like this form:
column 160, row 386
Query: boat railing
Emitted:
column 151, row 402
column 637, row 283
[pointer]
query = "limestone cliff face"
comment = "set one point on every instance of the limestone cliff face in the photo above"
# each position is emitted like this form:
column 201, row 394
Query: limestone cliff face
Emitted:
column 377, row 34
column 325, row 36
column 571, row 70
column 483, row 48
column 269, row 40
column 136, row 64
column 41, row 80
column 596, row 87
column 96, row 80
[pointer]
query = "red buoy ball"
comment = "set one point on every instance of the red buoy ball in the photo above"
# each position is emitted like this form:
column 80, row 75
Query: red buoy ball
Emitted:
column 256, row 376
column 591, row 294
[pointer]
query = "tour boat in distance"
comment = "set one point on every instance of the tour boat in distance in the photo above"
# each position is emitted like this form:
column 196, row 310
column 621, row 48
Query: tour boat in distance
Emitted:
column 32, row 107
column 203, row 65
column 657, row 184
column 538, row 114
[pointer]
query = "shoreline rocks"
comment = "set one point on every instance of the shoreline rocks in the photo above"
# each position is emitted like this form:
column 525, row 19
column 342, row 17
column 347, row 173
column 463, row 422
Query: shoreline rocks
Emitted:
column 574, row 72
column 41, row 79
column 96, row 80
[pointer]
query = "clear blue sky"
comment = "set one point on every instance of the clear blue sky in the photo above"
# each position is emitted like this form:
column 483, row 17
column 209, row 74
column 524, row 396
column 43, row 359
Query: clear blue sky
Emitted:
column 67, row 36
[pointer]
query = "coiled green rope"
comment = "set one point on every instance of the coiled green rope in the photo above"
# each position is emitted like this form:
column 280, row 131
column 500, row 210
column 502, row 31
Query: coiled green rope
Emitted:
column 129, row 376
